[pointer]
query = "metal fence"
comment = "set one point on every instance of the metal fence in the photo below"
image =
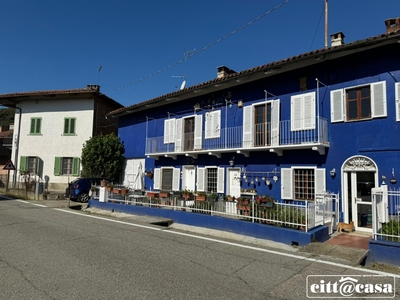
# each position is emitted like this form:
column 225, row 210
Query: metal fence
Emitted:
column 301, row 216
column 386, row 214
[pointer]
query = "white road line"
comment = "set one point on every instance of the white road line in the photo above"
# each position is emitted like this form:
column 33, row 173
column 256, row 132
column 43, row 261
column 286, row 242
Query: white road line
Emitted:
column 232, row 244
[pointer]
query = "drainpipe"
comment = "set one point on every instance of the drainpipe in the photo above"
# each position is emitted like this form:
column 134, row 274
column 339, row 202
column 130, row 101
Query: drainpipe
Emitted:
column 16, row 143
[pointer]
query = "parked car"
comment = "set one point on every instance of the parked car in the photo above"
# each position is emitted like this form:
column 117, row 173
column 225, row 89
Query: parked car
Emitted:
column 78, row 189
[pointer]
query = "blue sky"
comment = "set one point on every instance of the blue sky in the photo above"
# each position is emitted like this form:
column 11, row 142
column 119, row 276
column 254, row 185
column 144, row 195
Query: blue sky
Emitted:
column 50, row 45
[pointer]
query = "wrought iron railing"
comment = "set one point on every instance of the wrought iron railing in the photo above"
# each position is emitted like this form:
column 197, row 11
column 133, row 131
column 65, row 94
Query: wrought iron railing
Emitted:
column 262, row 135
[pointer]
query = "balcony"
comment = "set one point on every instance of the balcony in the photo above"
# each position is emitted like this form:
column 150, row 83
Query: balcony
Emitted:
column 261, row 137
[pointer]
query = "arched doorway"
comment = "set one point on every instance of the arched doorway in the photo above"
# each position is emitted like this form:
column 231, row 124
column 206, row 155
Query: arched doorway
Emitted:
column 359, row 176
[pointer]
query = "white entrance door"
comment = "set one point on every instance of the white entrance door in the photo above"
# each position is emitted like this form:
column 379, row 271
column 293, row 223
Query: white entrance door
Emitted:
column 188, row 178
column 233, row 187
column 360, row 184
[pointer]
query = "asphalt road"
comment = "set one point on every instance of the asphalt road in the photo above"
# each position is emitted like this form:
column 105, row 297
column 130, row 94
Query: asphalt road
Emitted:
column 53, row 253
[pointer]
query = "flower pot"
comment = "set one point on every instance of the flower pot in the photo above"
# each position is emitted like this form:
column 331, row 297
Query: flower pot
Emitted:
column 124, row 191
column 103, row 183
column 164, row 194
column 153, row 194
column 200, row 198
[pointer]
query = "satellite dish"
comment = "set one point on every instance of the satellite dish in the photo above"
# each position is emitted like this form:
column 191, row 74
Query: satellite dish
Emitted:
column 183, row 85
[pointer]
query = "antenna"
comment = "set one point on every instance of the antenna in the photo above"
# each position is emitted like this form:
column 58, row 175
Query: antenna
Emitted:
column 187, row 54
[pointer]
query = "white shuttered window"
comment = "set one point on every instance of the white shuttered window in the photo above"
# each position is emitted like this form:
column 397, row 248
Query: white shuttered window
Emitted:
column 302, row 111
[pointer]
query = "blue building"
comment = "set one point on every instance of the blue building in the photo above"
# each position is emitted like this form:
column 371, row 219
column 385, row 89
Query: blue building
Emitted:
column 323, row 121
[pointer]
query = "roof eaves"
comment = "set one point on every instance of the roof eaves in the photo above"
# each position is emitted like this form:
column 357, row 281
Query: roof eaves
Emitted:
column 332, row 49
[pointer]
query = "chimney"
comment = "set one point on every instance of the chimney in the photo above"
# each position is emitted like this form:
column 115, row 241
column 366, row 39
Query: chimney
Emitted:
column 93, row 87
column 224, row 71
column 392, row 25
column 337, row 39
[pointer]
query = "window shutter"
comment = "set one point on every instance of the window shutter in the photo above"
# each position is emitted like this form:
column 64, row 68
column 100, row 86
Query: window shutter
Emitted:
column 66, row 126
column 275, row 113
column 287, row 183
column 208, row 126
column 176, row 174
column 23, row 163
column 57, row 166
column 166, row 131
column 296, row 113
column 309, row 111
column 220, row 180
column 38, row 125
column 37, row 165
column 337, row 106
column 200, row 179
column 33, row 125
column 198, row 134
column 248, row 126
column 320, row 181
column 397, row 93
column 157, row 178
column 75, row 166
column 378, row 99
column 213, row 124
column 179, row 135
column 72, row 126
column 169, row 131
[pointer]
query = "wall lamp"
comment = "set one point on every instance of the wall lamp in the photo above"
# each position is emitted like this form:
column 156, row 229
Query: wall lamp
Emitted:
column 232, row 161
column 333, row 172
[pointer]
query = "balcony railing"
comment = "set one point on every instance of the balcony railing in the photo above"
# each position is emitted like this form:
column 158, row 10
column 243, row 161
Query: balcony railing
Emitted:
column 261, row 136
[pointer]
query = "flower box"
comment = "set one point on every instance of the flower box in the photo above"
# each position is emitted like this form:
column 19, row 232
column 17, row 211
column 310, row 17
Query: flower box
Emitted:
column 152, row 194
column 164, row 194
column 200, row 198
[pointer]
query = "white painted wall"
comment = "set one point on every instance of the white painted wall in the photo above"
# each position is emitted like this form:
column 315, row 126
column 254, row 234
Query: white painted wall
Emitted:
column 51, row 142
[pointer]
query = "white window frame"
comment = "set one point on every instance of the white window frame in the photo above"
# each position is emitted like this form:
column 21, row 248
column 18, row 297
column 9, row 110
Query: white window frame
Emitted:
column 176, row 176
column 202, row 179
column 248, row 123
column 378, row 102
column 212, row 124
column 198, row 134
column 302, row 111
column 287, row 185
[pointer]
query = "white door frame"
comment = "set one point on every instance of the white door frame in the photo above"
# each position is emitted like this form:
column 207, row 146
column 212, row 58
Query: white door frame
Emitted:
column 185, row 169
column 350, row 167
column 228, row 181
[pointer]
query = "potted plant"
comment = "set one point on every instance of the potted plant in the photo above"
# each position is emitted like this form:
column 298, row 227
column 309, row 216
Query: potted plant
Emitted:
column 110, row 187
column 164, row 194
column 265, row 201
column 229, row 198
column 212, row 197
column 187, row 194
column 200, row 196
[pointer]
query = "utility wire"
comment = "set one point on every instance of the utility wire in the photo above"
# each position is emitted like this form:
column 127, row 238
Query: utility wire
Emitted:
column 203, row 49
column 319, row 21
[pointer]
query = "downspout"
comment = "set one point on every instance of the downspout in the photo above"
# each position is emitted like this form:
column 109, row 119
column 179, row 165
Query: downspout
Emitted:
column 16, row 143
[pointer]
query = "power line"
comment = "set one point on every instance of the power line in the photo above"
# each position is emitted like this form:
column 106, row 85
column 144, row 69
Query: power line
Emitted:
column 319, row 21
column 203, row 49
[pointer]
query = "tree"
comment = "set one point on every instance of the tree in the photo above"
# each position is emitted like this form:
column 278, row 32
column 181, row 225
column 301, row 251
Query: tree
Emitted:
column 103, row 157
column 6, row 116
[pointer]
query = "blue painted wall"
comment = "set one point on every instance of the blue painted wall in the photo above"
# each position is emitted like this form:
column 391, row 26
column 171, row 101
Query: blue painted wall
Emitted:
column 375, row 138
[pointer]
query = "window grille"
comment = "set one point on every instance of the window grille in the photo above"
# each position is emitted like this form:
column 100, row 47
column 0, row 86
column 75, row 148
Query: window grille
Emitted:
column 212, row 176
column 166, row 179
column 304, row 184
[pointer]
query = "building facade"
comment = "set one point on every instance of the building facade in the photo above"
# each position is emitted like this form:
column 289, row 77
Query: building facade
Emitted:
column 51, row 128
column 323, row 121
